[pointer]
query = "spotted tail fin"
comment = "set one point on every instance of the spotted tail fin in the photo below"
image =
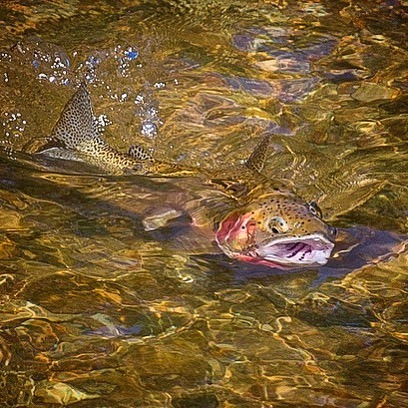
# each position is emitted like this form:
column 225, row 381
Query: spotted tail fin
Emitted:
column 256, row 160
column 75, row 129
column 76, row 125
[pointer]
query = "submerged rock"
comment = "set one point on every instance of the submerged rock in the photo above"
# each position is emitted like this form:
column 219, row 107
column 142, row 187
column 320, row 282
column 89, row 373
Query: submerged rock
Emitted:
column 369, row 92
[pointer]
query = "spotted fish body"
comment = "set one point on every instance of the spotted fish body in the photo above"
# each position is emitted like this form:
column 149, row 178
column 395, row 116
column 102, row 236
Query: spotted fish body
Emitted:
column 254, row 219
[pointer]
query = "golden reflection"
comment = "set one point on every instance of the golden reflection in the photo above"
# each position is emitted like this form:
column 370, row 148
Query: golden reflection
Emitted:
column 97, row 311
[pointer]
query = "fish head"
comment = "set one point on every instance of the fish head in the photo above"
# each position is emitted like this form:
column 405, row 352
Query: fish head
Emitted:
column 278, row 230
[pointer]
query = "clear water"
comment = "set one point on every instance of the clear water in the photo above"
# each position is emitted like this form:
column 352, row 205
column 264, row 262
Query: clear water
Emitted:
column 96, row 312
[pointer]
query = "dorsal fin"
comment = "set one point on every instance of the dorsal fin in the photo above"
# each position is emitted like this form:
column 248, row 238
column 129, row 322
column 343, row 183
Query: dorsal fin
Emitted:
column 139, row 153
column 256, row 160
column 76, row 126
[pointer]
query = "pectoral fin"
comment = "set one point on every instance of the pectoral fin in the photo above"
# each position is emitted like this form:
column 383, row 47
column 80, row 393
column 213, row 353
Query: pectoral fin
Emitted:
column 160, row 217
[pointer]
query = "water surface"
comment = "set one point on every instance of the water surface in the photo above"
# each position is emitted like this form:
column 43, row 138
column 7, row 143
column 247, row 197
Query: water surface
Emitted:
column 96, row 312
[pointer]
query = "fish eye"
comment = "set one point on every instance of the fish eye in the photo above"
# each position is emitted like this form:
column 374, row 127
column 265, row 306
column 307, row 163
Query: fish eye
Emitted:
column 315, row 209
column 277, row 225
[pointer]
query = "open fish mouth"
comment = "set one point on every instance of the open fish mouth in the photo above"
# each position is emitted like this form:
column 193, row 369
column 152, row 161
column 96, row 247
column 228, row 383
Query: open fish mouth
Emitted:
column 312, row 249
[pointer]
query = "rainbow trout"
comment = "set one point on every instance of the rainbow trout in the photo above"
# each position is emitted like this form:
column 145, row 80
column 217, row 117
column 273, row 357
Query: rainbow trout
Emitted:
column 252, row 218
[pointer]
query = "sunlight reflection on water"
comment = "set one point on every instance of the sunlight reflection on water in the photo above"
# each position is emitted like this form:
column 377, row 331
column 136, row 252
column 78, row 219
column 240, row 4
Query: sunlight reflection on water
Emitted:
column 96, row 311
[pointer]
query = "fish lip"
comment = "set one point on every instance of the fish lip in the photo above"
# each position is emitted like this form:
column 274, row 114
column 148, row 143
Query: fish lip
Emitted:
column 316, row 250
column 317, row 237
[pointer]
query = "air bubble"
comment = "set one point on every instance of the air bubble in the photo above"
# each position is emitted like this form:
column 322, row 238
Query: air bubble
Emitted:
column 139, row 99
column 149, row 129
column 131, row 53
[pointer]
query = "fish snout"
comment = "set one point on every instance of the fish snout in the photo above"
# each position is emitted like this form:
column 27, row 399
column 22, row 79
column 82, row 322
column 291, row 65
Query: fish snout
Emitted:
column 315, row 225
column 328, row 231
column 332, row 232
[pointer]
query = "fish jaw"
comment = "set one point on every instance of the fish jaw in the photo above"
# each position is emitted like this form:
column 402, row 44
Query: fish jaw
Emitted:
column 288, row 252
column 240, row 237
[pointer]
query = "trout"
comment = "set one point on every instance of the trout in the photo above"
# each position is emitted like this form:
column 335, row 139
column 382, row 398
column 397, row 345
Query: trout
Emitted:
column 252, row 218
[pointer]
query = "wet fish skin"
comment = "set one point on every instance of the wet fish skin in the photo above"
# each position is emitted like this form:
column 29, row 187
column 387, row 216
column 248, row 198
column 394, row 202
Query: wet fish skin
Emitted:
column 255, row 219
